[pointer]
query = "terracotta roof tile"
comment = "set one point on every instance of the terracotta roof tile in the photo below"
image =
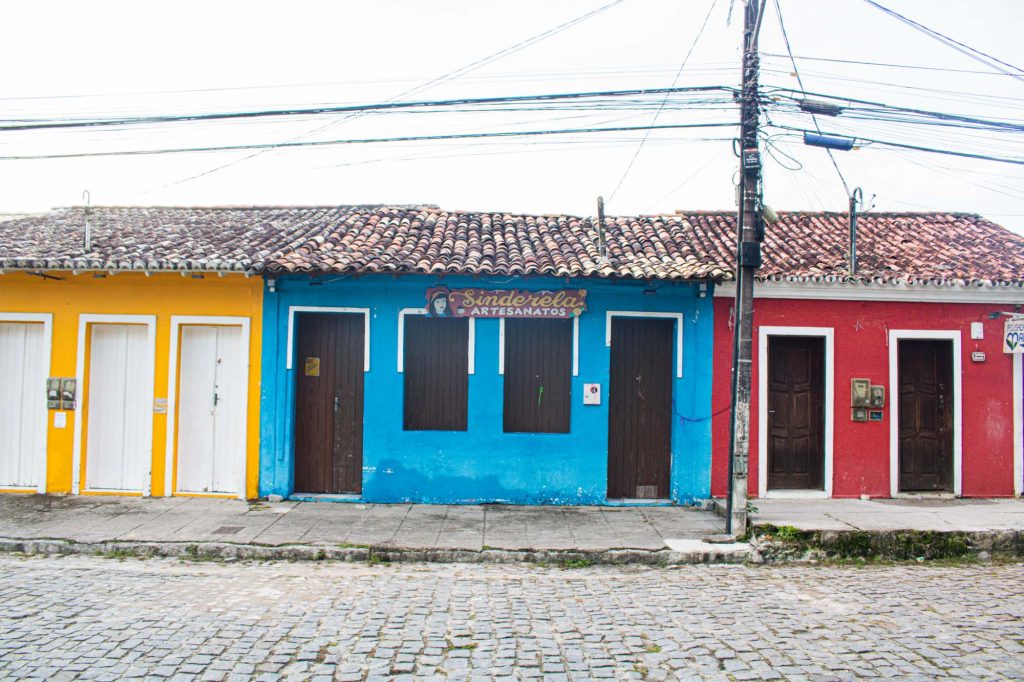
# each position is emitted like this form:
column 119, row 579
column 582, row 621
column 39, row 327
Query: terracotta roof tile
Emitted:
column 905, row 248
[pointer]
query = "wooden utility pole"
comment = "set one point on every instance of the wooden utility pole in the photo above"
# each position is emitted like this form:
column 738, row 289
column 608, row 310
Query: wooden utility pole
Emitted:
column 750, row 229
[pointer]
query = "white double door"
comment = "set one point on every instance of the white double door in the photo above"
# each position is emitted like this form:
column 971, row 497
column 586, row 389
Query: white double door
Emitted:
column 211, row 408
column 118, row 444
column 24, row 361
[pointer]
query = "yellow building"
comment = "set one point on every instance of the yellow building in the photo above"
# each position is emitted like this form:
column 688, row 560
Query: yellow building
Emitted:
column 129, row 364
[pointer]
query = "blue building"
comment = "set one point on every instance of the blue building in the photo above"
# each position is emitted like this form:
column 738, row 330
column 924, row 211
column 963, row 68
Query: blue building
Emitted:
column 415, row 355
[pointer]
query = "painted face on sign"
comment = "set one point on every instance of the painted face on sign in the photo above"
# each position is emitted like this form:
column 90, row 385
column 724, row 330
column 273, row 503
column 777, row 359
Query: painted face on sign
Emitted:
column 439, row 305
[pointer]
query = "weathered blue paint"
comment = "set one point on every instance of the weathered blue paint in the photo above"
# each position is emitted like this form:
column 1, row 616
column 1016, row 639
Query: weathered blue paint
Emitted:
column 484, row 464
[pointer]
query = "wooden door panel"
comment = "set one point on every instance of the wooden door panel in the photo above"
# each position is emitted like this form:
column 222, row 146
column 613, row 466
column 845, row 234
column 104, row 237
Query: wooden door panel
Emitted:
column 796, row 412
column 925, row 424
column 329, row 403
column 640, row 408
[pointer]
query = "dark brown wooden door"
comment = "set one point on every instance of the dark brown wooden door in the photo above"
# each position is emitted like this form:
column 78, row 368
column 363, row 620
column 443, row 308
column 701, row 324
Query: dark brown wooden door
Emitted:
column 538, row 376
column 926, row 415
column 329, row 403
column 796, row 413
column 640, row 408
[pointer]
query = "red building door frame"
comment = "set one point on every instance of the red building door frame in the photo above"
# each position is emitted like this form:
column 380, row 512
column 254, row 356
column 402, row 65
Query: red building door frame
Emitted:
column 895, row 336
column 763, row 334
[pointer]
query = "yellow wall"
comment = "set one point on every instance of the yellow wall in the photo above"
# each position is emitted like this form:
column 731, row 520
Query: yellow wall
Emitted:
column 163, row 295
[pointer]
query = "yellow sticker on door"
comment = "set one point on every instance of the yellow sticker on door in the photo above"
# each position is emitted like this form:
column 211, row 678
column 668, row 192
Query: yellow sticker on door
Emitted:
column 312, row 368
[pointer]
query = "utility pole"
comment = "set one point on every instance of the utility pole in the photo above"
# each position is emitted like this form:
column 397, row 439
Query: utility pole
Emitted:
column 750, row 234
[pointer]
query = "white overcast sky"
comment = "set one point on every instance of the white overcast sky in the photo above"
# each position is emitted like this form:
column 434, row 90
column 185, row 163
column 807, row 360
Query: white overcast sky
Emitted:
column 73, row 59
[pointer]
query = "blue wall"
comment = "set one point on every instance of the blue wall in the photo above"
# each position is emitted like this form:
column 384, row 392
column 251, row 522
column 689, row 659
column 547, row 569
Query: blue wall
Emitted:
column 484, row 464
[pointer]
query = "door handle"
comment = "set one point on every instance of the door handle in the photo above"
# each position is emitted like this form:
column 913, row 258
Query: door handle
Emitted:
column 336, row 403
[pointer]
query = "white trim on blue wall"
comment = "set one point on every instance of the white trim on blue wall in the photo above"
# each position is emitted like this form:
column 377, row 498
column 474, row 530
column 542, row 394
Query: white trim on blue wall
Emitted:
column 678, row 317
column 423, row 311
column 575, row 345
column 321, row 309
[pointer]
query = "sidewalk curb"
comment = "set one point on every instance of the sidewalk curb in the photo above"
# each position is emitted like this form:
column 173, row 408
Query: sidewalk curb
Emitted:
column 226, row 551
column 785, row 544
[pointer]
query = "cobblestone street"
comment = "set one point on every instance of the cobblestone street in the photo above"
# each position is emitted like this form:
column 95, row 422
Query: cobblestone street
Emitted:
column 96, row 618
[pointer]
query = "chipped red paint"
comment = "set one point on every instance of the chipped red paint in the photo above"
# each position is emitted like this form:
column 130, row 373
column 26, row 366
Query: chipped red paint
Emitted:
column 861, row 449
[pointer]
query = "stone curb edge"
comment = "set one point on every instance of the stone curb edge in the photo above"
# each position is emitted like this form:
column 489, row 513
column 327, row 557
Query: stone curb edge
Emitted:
column 220, row 551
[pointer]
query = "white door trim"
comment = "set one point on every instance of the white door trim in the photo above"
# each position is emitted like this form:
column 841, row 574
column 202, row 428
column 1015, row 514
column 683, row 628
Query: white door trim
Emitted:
column 1018, row 424
column 365, row 312
column 575, row 345
column 423, row 311
column 678, row 317
column 763, row 333
column 177, row 321
column 47, row 321
column 895, row 336
column 84, row 320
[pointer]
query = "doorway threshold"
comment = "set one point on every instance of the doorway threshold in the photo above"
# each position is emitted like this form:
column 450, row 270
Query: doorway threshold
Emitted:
column 796, row 495
column 936, row 495
column 325, row 497
column 637, row 502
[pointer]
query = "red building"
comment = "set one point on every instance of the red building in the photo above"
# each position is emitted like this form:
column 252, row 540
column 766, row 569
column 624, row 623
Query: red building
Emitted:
column 914, row 338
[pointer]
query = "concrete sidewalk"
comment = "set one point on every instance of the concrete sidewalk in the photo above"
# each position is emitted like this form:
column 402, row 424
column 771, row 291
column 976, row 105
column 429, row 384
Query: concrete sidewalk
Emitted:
column 882, row 515
column 467, row 528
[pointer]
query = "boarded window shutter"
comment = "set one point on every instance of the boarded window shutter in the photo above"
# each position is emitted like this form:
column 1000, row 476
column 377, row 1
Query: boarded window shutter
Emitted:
column 538, row 375
column 436, row 373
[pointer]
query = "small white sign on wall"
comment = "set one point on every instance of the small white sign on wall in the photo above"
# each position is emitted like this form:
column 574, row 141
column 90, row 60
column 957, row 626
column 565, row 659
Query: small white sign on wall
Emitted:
column 1013, row 335
column 591, row 394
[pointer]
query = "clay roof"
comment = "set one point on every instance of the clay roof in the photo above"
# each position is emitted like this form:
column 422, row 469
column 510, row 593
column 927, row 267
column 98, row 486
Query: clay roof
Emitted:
column 898, row 248
column 353, row 239
column 892, row 248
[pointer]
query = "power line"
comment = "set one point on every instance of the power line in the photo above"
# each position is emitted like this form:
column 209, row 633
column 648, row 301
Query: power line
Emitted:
column 975, row 54
column 859, row 62
column 370, row 140
column 495, row 56
column 679, row 71
column 355, row 108
column 919, row 148
column 789, row 50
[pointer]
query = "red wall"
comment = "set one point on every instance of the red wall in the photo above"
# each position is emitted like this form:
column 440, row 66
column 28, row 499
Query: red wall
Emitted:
column 861, row 449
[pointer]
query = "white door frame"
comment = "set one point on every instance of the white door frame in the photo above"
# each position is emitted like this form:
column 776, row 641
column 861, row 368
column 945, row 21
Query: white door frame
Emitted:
column 290, row 342
column 471, row 344
column 895, row 336
column 678, row 317
column 1018, row 424
column 84, row 320
column 763, row 334
column 177, row 321
column 47, row 321
column 575, row 344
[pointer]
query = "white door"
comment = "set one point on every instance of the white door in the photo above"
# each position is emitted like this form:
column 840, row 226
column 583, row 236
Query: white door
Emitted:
column 23, row 366
column 211, row 410
column 117, row 455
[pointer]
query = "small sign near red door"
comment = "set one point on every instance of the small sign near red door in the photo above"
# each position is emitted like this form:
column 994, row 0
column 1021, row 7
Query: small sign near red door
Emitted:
column 561, row 304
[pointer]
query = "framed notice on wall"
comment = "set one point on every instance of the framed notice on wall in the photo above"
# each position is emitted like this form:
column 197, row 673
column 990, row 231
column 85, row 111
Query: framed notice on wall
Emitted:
column 560, row 304
column 1013, row 335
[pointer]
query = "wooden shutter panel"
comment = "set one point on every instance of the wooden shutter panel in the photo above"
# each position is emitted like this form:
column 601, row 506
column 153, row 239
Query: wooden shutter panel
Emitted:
column 538, row 375
column 436, row 372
